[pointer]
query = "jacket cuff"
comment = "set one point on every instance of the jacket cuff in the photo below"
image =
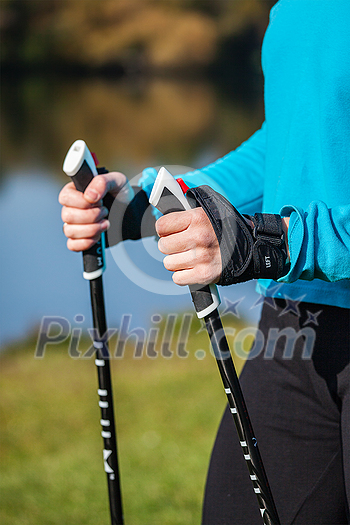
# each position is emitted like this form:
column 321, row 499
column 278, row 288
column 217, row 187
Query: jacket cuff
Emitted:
column 296, row 234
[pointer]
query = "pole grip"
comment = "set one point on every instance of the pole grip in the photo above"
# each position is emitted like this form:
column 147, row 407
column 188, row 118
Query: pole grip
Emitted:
column 167, row 196
column 80, row 166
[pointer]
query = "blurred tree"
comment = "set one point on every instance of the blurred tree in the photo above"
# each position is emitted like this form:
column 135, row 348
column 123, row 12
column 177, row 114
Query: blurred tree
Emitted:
column 134, row 34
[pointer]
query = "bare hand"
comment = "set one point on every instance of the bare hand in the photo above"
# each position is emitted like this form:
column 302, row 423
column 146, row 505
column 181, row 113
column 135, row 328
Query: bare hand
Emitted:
column 84, row 215
column 192, row 250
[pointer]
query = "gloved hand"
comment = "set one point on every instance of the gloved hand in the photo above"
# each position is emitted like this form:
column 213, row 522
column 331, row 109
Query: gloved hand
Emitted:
column 251, row 247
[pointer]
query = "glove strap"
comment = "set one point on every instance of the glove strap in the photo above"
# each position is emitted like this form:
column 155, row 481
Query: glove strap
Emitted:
column 269, row 250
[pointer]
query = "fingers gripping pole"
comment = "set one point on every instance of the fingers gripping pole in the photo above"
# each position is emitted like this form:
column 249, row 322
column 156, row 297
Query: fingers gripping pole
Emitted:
column 80, row 166
column 167, row 196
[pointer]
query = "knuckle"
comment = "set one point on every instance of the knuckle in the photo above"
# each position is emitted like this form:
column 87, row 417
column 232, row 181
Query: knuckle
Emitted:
column 195, row 216
column 167, row 263
column 66, row 230
column 70, row 245
column 115, row 180
column 67, row 215
column 206, row 255
column 63, row 214
column 163, row 246
column 62, row 196
column 100, row 184
column 179, row 279
column 200, row 255
column 176, row 278
column 205, row 274
column 160, row 226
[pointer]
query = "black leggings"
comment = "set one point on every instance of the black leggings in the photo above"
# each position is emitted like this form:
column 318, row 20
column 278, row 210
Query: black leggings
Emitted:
column 298, row 398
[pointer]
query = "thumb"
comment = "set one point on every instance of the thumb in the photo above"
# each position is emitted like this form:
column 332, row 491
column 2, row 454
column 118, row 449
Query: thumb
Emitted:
column 113, row 182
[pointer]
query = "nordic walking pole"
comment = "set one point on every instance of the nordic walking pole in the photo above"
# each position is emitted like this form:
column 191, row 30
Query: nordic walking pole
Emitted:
column 80, row 166
column 167, row 196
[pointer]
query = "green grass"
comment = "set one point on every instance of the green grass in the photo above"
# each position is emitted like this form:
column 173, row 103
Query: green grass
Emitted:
column 167, row 413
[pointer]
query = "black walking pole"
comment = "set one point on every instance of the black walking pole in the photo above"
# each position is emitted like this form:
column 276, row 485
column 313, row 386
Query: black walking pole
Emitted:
column 167, row 196
column 80, row 166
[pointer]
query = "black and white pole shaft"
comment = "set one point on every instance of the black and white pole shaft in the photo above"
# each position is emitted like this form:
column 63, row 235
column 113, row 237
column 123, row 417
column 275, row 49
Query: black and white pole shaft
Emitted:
column 167, row 196
column 80, row 166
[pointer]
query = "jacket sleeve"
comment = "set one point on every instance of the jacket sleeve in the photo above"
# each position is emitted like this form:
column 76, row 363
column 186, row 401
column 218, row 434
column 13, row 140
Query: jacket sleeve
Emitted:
column 319, row 242
column 239, row 175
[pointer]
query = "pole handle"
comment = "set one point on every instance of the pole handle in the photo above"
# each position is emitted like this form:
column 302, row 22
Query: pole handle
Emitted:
column 80, row 166
column 167, row 196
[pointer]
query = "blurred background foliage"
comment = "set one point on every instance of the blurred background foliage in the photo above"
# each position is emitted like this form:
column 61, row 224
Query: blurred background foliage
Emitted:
column 127, row 35
column 152, row 81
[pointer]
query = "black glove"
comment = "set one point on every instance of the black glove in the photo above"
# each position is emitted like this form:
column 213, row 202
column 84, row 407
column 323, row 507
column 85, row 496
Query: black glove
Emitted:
column 246, row 253
column 129, row 221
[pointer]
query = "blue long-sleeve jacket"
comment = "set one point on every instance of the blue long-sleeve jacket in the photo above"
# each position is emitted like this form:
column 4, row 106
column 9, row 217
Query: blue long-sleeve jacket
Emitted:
column 298, row 163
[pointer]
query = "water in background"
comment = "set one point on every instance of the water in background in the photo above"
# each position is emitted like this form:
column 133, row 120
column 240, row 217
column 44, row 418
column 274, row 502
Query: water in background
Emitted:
column 130, row 125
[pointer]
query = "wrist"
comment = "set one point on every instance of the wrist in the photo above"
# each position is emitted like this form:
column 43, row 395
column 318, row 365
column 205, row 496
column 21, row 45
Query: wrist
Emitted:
column 285, row 225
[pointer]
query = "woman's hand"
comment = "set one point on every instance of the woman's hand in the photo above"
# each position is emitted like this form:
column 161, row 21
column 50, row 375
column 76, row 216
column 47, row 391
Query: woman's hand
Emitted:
column 191, row 247
column 84, row 215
